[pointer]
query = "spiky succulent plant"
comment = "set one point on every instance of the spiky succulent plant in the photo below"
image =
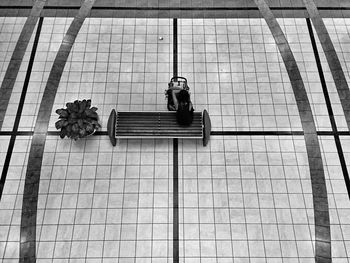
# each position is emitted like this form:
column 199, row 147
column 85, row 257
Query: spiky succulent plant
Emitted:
column 78, row 120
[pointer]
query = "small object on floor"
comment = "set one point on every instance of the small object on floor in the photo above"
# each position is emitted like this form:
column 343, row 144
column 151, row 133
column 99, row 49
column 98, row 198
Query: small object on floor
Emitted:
column 160, row 38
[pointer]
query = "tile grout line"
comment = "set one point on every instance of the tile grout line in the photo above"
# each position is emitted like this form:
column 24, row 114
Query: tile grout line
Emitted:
column 175, row 161
column 20, row 108
column 329, row 108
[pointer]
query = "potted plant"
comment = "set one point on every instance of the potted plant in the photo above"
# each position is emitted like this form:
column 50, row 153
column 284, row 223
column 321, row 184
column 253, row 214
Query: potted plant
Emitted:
column 78, row 120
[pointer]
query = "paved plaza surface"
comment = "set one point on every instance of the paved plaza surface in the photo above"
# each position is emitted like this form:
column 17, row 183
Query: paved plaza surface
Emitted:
column 271, row 186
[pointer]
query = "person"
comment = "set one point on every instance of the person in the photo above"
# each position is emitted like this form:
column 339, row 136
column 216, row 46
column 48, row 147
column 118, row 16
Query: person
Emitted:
column 183, row 106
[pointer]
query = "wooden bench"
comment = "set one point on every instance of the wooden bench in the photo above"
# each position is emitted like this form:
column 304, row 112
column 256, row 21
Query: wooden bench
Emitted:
column 162, row 124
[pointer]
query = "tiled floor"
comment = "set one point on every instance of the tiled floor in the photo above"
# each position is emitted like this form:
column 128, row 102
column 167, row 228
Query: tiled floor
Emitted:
column 95, row 202
column 338, row 199
column 108, row 64
column 11, row 200
column 246, row 197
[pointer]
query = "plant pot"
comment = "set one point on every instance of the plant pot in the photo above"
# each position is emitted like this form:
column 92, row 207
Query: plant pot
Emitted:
column 78, row 120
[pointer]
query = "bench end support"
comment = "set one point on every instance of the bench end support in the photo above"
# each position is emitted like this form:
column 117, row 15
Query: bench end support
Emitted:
column 111, row 127
column 206, row 128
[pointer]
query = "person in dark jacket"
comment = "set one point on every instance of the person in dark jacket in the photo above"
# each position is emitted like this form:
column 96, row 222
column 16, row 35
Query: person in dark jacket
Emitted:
column 183, row 106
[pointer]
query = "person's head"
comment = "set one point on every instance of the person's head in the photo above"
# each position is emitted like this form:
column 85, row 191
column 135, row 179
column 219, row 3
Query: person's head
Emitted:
column 184, row 96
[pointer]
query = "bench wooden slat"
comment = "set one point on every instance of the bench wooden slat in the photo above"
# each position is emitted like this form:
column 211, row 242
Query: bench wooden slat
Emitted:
column 187, row 129
column 122, row 120
column 154, row 120
column 131, row 131
column 155, row 135
column 157, row 124
column 169, row 118
column 159, row 133
column 151, row 113
column 154, row 115
column 160, row 129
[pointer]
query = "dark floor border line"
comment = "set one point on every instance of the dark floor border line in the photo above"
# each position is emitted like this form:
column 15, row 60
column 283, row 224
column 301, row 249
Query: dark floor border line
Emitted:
column 97, row 133
column 256, row 133
column 323, row 251
column 20, row 108
column 176, row 238
column 213, row 133
column 175, row 72
column 329, row 133
column 329, row 108
column 277, row 133
column 29, row 133
column 28, row 239
column 18, row 133
column 137, row 8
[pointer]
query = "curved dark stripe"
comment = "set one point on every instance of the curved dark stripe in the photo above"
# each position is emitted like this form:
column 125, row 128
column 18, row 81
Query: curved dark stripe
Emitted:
column 319, row 190
column 332, row 58
column 31, row 187
column 17, row 57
